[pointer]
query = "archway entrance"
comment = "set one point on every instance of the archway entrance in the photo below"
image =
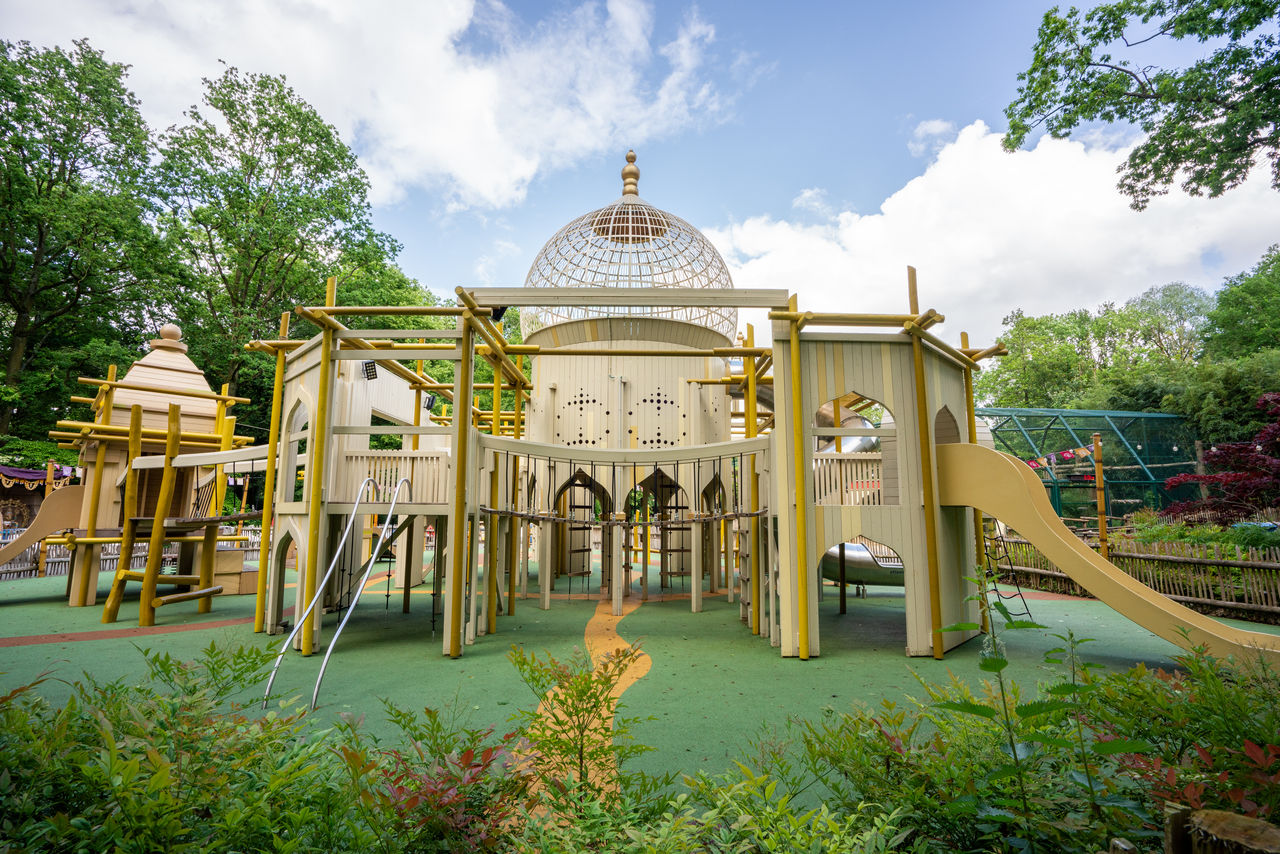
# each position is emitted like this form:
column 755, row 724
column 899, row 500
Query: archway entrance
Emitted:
column 580, row 544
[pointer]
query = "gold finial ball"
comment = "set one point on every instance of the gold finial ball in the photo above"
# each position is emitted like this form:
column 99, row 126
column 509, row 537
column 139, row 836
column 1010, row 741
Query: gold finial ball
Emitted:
column 631, row 176
column 171, row 332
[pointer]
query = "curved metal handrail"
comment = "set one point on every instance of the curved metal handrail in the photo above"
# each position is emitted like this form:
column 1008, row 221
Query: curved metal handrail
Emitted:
column 337, row 555
column 374, row 554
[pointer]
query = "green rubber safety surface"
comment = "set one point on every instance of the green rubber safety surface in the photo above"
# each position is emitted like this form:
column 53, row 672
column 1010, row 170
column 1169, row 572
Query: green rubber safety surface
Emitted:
column 712, row 687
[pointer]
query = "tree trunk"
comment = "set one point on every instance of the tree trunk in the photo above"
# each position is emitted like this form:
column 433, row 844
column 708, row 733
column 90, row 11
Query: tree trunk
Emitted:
column 17, row 352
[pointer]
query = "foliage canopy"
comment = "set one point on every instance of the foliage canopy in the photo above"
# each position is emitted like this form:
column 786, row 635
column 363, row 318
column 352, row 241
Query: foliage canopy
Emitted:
column 1205, row 125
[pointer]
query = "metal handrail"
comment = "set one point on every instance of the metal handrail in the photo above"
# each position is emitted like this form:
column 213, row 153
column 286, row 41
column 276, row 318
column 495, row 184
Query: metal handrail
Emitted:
column 337, row 555
column 374, row 554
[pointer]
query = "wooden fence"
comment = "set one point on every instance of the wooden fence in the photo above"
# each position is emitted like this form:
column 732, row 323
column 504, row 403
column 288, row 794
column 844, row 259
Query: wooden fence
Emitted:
column 847, row 479
column 1215, row 579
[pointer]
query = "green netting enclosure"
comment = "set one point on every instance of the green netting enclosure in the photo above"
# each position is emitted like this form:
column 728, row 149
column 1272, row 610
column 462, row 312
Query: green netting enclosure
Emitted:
column 1140, row 450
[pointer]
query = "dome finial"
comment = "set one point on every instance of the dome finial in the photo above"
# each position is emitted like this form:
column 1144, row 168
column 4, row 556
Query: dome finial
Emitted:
column 631, row 176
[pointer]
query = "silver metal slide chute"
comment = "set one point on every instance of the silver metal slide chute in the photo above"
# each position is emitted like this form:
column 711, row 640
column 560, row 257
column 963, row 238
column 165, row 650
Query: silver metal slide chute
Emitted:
column 320, row 588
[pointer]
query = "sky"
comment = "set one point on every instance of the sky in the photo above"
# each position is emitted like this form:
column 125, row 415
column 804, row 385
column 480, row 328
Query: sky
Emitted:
column 821, row 146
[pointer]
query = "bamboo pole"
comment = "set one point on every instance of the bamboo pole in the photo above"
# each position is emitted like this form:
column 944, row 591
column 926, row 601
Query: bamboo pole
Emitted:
column 979, row 532
column 801, row 499
column 752, row 427
column 128, row 512
column 269, row 485
column 316, row 449
column 924, row 428
column 87, row 568
column 155, row 549
column 458, row 523
column 1100, row 492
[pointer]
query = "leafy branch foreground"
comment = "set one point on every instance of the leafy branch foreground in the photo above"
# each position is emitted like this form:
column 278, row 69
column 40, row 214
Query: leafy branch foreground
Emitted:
column 175, row 764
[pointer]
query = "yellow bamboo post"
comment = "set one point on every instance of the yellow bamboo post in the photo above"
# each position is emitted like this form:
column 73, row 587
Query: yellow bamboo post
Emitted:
column 48, row 490
column 316, row 449
column 801, row 497
column 129, row 510
column 752, row 430
column 979, row 534
column 1100, row 487
column 513, row 534
column 458, row 523
column 209, row 547
column 923, row 427
column 146, row 605
column 269, row 485
column 95, row 497
column 491, row 554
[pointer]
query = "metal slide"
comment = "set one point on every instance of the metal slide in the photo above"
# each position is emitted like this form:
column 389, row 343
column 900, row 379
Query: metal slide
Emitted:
column 1006, row 488
column 384, row 541
column 319, row 594
column 58, row 512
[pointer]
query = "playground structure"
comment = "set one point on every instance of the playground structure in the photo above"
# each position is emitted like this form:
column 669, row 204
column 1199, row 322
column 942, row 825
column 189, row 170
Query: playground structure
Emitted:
column 647, row 452
column 648, row 440
column 138, row 495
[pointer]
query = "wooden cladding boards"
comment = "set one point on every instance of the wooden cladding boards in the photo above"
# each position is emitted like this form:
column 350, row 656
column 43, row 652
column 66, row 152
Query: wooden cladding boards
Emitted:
column 627, row 402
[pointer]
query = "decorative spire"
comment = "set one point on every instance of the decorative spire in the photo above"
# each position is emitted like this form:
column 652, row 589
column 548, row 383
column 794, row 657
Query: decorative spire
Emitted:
column 630, row 176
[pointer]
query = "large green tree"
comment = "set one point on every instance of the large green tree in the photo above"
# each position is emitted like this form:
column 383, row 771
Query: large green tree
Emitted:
column 1246, row 317
column 76, row 246
column 1205, row 125
column 265, row 200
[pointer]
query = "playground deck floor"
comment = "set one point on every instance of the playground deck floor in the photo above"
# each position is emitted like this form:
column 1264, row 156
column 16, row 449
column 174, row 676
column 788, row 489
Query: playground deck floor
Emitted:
column 711, row 688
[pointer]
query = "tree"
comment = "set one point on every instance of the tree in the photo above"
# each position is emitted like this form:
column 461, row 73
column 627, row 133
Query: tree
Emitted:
column 1206, row 125
column 75, row 241
column 265, row 200
column 1247, row 479
column 1169, row 320
column 1246, row 317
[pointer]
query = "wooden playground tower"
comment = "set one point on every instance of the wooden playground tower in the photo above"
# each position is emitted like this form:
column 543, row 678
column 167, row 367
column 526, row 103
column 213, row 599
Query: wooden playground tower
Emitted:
column 137, row 487
column 633, row 402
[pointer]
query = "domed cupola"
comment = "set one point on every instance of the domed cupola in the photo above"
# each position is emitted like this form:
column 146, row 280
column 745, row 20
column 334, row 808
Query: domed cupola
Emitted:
column 630, row 244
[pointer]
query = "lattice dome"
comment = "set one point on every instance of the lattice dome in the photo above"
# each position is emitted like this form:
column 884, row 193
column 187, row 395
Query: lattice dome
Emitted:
column 630, row 244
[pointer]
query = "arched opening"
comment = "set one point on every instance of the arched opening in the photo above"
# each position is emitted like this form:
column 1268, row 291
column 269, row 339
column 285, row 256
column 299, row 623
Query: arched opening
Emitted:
column 715, row 561
column 580, row 543
column 293, row 470
column 945, row 429
column 674, row 534
column 855, row 460
column 864, row 602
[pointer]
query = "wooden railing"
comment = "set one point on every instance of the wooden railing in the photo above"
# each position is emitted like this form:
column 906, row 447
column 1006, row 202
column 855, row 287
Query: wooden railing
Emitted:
column 427, row 472
column 847, row 479
column 1212, row 578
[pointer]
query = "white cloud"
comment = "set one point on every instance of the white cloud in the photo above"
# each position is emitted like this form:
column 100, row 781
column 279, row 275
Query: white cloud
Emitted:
column 812, row 199
column 930, row 136
column 459, row 98
column 1044, row 230
column 487, row 265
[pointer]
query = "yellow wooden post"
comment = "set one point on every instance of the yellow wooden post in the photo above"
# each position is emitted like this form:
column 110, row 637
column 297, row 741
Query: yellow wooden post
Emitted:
column 269, row 485
column 1100, row 487
column 91, row 529
column 209, row 548
column 979, row 535
column 48, row 490
column 128, row 511
column 146, row 605
column 513, row 535
column 801, row 496
column 316, row 449
column 931, row 507
column 491, row 554
column 458, row 546
column 753, row 482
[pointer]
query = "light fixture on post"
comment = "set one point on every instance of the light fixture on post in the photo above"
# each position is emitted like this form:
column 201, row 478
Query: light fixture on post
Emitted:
column 428, row 401
column 370, row 370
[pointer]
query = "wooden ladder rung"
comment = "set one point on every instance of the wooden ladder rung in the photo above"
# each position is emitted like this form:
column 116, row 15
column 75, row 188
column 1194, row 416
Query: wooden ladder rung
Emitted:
column 187, row 580
column 185, row 596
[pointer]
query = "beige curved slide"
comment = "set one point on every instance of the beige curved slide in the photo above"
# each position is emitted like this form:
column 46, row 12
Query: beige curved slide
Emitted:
column 1006, row 488
column 59, row 511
